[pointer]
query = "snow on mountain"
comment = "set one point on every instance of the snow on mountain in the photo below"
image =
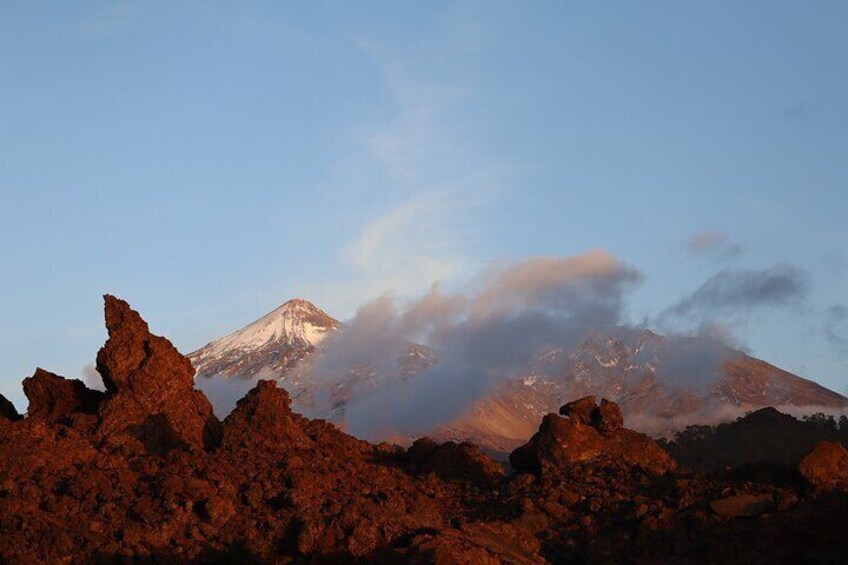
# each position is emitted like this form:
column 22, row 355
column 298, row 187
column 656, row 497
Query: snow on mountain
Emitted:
column 274, row 343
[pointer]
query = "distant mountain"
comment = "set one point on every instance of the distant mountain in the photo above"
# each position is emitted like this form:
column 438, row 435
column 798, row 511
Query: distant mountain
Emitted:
column 271, row 345
column 650, row 376
column 281, row 345
column 662, row 384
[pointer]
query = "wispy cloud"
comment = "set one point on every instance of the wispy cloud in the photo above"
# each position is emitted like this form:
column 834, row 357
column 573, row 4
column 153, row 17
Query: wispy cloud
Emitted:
column 406, row 249
column 713, row 243
column 420, row 179
column 738, row 291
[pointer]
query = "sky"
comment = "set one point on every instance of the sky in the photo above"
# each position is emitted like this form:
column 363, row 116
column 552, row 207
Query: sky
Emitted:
column 207, row 161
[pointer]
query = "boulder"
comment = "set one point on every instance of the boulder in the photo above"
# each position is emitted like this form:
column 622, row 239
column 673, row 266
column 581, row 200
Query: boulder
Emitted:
column 454, row 461
column 607, row 417
column 826, row 467
column 580, row 410
column 150, row 387
column 561, row 442
column 53, row 398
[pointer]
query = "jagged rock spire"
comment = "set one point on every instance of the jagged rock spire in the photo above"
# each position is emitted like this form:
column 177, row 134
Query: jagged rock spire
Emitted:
column 150, row 386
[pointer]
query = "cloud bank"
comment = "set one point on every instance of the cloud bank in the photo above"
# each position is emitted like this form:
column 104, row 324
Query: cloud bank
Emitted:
column 512, row 313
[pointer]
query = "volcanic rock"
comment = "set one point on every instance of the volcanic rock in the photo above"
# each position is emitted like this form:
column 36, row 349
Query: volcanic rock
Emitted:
column 266, row 408
column 565, row 441
column 826, row 467
column 54, row 398
column 454, row 461
column 607, row 417
column 282, row 488
column 8, row 412
column 580, row 410
column 150, row 387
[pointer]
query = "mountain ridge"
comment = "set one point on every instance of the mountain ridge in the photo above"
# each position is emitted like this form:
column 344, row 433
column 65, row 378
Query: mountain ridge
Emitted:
column 650, row 375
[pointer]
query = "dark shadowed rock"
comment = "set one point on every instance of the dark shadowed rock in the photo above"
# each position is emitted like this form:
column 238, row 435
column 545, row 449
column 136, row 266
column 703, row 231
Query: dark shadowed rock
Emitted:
column 54, row 398
column 150, row 386
column 454, row 461
column 580, row 410
column 826, row 467
column 8, row 412
column 263, row 419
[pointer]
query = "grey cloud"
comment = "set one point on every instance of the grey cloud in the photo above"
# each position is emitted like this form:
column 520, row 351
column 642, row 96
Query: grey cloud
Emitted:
column 483, row 337
column 739, row 290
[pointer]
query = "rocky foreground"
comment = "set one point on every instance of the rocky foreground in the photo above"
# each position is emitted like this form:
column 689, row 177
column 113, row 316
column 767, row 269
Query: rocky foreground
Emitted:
column 146, row 473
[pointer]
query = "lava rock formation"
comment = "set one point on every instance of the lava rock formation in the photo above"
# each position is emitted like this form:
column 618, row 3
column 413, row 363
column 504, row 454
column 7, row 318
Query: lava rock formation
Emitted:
column 145, row 473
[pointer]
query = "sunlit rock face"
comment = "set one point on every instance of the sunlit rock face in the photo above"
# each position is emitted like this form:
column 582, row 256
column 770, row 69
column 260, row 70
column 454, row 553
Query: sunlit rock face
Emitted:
column 150, row 386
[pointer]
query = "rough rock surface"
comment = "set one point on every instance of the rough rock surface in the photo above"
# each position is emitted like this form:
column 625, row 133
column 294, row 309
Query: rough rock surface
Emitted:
column 826, row 467
column 585, row 435
column 281, row 488
column 607, row 418
column 580, row 409
column 52, row 397
column 268, row 408
column 8, row 412
column 451, row 460
column 151, row 387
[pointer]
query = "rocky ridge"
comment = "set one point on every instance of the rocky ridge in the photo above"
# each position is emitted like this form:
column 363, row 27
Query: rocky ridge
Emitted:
column 169, row 483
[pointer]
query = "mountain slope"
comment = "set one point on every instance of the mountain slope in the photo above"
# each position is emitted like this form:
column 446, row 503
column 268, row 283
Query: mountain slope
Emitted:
column 652, row 378
column 283, row 345
column 661, row 383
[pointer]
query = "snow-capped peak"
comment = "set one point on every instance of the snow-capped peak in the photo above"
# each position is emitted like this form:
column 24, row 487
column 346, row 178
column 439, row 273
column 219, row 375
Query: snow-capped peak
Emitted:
column 297, row 323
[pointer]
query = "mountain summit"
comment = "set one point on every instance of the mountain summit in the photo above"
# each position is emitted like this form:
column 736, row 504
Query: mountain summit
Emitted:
column 275, row 342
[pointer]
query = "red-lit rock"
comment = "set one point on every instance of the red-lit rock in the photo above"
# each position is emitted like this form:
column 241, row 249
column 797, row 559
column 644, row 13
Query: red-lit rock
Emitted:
column 55, row 398
column 150, row 385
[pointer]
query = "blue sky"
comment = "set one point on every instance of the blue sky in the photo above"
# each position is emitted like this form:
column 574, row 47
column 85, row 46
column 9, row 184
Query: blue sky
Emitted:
column 209, row 160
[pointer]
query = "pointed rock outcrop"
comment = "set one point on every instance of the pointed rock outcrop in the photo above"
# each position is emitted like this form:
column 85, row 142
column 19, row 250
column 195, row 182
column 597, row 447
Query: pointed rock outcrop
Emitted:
column 54, row 398
column 8, row 412
column 150, row 387
column 263, row 419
